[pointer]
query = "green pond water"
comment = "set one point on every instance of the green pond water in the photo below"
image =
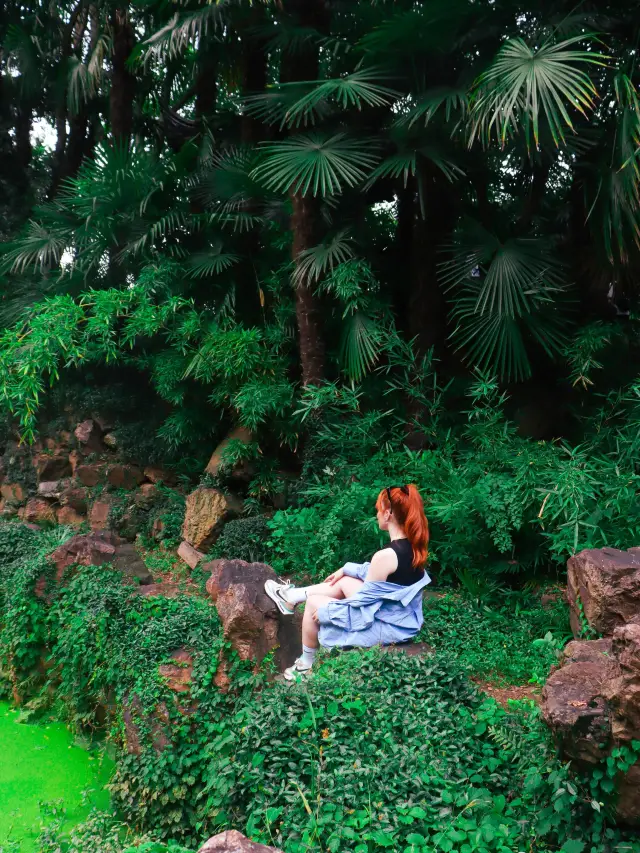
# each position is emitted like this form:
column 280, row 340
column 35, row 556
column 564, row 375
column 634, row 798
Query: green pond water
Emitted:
column 42, row 763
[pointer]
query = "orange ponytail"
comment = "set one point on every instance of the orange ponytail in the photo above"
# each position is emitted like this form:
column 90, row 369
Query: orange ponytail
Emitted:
column 408, row 510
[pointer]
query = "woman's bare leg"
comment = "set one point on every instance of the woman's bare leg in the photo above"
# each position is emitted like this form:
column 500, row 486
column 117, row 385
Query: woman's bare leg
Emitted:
column 344, row 588
column 310, row 628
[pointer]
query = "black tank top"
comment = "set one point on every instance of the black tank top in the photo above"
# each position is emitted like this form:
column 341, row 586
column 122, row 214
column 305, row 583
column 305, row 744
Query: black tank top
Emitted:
column 405, row 574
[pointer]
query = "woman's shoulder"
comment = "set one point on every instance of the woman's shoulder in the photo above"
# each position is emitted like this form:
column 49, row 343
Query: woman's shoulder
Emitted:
column 385, row 557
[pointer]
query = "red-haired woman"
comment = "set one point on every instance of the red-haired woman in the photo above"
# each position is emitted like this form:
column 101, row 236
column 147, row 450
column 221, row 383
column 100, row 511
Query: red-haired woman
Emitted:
column 367, row 604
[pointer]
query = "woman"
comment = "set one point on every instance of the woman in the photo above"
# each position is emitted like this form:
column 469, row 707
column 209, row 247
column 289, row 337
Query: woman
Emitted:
column 375, row 603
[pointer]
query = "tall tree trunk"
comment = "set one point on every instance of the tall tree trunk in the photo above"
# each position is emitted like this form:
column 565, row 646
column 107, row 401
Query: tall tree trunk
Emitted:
column 303, row 65
column 308, row 315
column 122, row 82
column 254, row 75
column 206, row 79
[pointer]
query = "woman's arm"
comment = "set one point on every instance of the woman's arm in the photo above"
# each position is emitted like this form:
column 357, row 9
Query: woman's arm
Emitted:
column 383, row 564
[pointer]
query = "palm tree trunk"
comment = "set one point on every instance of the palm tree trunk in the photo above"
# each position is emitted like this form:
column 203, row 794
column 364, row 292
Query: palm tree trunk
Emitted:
column 307, row 309
column 303, row 65
column 122, row 81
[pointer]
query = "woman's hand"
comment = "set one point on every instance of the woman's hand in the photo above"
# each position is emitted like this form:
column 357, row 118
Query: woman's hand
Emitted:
column 335, row 577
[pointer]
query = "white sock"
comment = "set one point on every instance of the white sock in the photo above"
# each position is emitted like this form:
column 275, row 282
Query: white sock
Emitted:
column 308, row 656
column 295, row 595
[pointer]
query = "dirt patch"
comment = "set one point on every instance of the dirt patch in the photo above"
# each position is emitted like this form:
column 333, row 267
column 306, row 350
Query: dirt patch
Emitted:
column 503, row 694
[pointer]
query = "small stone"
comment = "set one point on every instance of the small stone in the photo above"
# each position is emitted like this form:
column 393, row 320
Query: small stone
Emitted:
column 189, row 555
column 110, row 440
column 158, row 475
column 124, row 476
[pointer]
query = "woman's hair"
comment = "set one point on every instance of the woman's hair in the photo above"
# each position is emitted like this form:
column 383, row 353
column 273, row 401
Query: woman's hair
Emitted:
column 408, row 510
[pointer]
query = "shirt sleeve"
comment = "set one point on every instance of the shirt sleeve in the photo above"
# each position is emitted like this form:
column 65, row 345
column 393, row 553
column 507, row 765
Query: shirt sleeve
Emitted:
column 356, row 570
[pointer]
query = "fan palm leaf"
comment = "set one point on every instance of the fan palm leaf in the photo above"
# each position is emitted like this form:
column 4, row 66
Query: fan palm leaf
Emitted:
column 524, row 83
column 316, row 163
column 359, row 344
column 314, row 263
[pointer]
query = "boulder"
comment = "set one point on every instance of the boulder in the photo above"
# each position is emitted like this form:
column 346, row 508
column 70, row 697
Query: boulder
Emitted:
column 76, row 498
column 250, row 620
column 50, row 468
column 37, row 511
column 177, row 675
column 606, row 584
column 206, row 512
column 99, row 515
column 124, row 476
column 89, row 436
column 52, row 489
column 592, row 704
column 68, row 515
column 232, row 841
column 146, row 495
column 12, row 492
column 189, row 555
column 96, row 549
column 158, row 475
column 90, row 475
column 239, row 434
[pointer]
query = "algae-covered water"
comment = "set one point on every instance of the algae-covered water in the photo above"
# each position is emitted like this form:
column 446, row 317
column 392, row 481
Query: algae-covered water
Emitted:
column 41, row 763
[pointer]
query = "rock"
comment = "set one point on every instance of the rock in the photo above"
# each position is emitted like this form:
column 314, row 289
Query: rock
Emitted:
column 157, row 529
column 178, row 675
column 232, row 841
column 587, row 651
column 124, row 476
column 241, row 434
column 75, row 459
column 38, row 511
column 53, row 489
column 76, row 498
column 49, row 468
column 99, row 515
column 68, row 515
column 250, row 620
column 89, row 436
column 110, row 441
column 158, row 475
column 12, row 492
column 607, row 583
column 146, row 495
column 189, row 555
column 205, row 514
column 96, row 549
column 90, row 475
column 622, row 692
column 574, row 708
column 165, row 589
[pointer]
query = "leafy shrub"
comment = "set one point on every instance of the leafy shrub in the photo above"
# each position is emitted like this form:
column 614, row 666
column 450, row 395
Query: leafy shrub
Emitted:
column 393, row 752
column 244, row 539
column 500, row 642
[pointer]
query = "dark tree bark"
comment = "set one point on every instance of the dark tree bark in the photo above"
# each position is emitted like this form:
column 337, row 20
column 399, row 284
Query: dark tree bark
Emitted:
column 122, row 82
column 206, row 79
column 303, row 65
column 254, row 75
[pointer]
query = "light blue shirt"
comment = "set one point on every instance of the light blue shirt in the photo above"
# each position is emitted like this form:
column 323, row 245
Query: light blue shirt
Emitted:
column 379, row 614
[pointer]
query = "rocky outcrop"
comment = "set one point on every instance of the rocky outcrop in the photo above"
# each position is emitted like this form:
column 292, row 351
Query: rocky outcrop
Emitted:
column 605, row 585
column 206, row 512
column 250, row 620
column 240, row 435
column 592, row 701
column 233, row 841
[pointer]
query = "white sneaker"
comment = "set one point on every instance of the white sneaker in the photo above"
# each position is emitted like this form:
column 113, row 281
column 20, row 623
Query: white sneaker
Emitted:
column 275, row 591
column 297, row 672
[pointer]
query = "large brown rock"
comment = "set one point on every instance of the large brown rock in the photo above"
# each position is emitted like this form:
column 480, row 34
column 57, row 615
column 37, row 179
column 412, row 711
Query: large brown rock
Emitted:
column 250, row 620
column 100, row 511
column 239, row 434
column 205, row 514
column 89, row 436
column 592, row 704
column 233, row 841
column 68, row 515
column 124, row 476
column 76, row 498
column 12, row 492
column 50, row 468
column 607, row 584
column 90, row 475
column 38, row 511
column 97, row 549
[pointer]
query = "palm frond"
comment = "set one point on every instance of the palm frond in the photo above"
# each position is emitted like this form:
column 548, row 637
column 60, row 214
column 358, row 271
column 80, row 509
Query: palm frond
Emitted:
column 316, row 164
column 184, row 29
column 212, row 262
column 454, row 101
column 359, row 344
column 316, row 262
column 359, row 89
column 39, row 248
column 523, row 84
